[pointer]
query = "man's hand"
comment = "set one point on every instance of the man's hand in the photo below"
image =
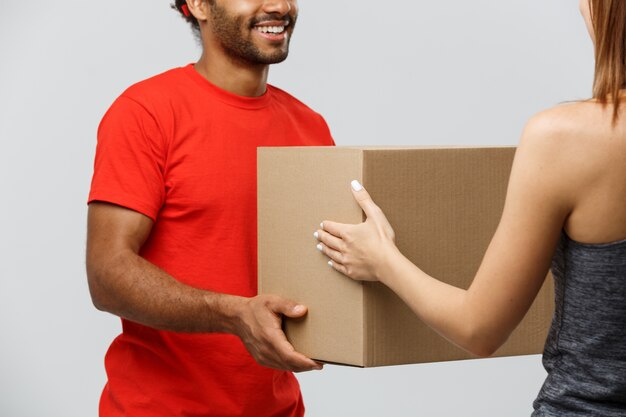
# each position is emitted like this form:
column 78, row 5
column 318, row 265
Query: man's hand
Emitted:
column 261, row 332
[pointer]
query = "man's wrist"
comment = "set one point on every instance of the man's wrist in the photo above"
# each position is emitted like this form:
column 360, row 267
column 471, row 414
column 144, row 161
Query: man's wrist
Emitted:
column 226, row 312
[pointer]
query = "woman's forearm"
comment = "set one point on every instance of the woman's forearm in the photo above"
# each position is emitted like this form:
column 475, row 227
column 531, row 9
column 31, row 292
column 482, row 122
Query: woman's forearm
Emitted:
column 443, row 307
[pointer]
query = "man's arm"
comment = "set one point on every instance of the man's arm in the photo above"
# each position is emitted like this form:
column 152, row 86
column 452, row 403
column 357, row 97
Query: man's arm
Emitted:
column 125, row 284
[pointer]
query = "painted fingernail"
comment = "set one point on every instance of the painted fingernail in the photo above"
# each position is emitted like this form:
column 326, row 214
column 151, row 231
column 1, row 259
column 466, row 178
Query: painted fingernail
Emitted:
column 356, row 185
column 330, row 263
column 319, row 247
column 322, row 225
column 316, row 235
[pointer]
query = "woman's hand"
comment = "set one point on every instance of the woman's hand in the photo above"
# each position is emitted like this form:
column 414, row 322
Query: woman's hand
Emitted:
column 359, row 251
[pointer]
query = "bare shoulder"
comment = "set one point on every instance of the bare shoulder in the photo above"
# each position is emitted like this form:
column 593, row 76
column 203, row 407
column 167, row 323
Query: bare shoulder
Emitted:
column 565, row 122
column 575, row 146
column 556, row 149
column 573, row 155
column 568, row 132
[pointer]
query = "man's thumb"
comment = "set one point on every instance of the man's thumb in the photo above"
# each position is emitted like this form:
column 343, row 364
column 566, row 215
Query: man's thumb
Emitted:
column 291, row 309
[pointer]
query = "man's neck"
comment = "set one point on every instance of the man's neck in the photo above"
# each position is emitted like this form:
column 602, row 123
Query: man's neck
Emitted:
column 239, row 78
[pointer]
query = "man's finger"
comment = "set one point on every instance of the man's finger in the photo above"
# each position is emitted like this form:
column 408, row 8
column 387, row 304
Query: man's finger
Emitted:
column 291, row 358
column 363, row 198
column 297, row 362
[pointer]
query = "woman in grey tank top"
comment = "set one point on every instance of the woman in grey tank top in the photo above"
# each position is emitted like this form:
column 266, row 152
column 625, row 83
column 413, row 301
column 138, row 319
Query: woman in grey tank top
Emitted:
column 567, row 186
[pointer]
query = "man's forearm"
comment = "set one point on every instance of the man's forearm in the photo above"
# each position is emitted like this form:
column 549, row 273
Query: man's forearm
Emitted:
column 133, row 288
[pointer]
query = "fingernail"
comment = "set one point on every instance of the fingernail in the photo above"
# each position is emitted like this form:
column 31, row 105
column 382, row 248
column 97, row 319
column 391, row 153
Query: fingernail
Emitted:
column 356, row 185
column 298, row 309
column 322, row 225
column 316, row 235
column 330, row 263
column 319, row 247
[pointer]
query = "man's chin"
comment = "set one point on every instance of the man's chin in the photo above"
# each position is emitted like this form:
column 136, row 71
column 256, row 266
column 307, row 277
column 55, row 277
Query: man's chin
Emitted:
column 275, row 58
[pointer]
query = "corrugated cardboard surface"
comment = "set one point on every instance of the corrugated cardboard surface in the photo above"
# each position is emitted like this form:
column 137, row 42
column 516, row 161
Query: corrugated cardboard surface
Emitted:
column 444, row 204
column 295, row 193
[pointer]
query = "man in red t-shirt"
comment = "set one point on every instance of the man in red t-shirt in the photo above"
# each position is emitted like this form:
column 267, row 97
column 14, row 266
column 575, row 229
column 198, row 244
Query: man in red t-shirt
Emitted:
column 172, row 225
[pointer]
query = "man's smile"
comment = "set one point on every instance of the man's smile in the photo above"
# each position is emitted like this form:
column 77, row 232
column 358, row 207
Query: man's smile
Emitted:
column 274, row 30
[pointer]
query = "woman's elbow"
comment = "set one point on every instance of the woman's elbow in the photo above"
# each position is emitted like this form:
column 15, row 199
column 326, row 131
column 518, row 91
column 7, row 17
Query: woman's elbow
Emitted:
column 484, row 342
column 482, row 350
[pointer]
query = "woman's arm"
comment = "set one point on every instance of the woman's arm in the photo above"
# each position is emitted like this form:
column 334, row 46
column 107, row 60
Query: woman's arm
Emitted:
column 479, row 319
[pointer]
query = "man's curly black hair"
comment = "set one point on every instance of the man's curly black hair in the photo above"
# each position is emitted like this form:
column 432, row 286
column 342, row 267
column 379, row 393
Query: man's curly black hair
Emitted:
column 178, row 5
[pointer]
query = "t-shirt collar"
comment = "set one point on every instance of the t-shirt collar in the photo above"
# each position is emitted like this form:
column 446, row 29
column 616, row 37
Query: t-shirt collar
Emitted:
column 226, row 96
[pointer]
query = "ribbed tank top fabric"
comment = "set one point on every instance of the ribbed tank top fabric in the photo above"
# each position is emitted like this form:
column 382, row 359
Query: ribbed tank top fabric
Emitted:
column 585, row 352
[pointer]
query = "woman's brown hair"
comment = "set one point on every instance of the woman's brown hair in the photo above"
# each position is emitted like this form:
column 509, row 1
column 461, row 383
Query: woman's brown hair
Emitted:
column 609, row 24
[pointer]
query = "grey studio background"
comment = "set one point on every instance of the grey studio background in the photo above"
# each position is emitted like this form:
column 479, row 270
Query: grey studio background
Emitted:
column 405, row 72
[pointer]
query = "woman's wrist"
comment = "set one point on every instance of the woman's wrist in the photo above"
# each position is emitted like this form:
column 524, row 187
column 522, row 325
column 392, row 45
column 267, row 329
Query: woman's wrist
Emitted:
column 391, row 256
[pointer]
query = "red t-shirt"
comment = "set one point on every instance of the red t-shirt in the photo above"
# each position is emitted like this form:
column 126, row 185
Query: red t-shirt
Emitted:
column 183, row 152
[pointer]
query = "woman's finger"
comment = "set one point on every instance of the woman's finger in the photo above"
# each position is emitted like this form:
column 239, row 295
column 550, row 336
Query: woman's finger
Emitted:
column 334, row 255
column 372, row 211
column 336, row 229
column 363, row 198
column 329, row 240
column 338, row 267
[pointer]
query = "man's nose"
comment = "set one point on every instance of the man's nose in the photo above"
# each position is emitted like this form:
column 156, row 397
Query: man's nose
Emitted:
column 281, row 7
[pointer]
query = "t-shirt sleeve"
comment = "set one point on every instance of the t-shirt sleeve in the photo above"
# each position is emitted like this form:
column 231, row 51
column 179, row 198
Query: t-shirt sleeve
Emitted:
column 130, row 159
column 326, row 129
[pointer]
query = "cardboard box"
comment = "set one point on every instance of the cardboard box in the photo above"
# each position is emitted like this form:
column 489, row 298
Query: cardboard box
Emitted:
column 444, row 205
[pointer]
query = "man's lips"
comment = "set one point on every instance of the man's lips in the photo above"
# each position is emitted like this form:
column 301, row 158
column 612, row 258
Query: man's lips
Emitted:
column 275, row 30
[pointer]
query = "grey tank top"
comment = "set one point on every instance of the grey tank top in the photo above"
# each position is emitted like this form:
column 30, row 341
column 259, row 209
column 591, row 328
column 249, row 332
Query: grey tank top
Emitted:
column 585, row 353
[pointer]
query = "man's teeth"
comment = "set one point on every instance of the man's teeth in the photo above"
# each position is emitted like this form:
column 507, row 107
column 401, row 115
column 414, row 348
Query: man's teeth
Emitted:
column 270, row 29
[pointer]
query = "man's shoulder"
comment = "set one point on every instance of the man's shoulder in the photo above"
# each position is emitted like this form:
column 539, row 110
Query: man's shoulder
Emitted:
column 155, row 98
column 160, row 86
column 305, row 117
column 288, row 100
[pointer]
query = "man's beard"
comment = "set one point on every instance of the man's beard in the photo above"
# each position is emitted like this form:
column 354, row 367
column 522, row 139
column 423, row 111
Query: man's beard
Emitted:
column 229, row 30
